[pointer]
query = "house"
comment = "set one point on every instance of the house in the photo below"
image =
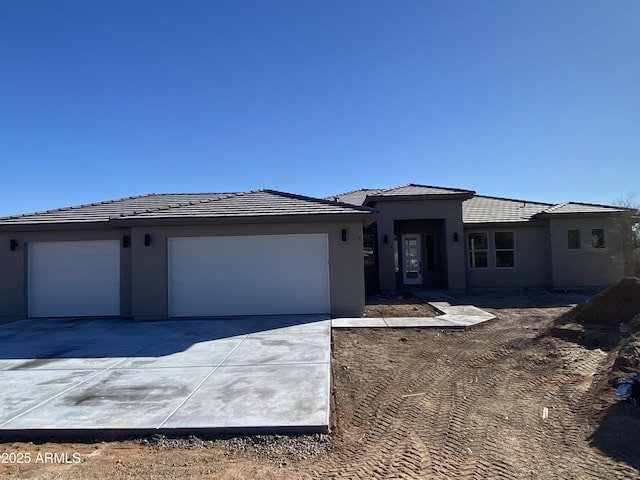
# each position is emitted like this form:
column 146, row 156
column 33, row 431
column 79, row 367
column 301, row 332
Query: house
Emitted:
column 269, row 252
column 434, row 237
column 185, row 255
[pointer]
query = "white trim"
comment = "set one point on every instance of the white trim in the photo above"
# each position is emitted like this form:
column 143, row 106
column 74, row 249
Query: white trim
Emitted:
column 419, row 279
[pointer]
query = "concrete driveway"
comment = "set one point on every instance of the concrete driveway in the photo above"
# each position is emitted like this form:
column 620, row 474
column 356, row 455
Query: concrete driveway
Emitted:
column 82, row 377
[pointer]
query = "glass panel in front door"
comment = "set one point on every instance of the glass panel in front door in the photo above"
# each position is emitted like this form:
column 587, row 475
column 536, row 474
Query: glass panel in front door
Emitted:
column 412, row 259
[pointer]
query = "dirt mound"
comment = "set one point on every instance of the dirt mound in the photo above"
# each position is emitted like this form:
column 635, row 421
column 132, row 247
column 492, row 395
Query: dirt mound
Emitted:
column 627, row 361
column 606, row 320
column 615, row 305
column 609, row 321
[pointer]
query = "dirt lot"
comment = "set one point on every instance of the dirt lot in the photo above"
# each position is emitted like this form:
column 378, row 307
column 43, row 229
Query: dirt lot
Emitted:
column 511, row 398
column 398, row 305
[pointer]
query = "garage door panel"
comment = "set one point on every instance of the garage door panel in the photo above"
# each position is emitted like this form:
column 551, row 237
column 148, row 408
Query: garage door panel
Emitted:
column 74, row 278
column 276, row 274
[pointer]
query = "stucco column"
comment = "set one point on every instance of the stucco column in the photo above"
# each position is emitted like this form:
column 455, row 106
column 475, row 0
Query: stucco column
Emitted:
column 456, row 260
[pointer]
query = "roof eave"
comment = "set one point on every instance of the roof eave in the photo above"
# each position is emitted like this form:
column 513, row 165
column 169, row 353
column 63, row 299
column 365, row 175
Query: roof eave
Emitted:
column 365, row 217
column 577, row 214
column 434, row 196
column 505, row 224
column 51, row 226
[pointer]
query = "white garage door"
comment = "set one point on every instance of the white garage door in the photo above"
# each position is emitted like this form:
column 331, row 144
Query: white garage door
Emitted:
column 69, row 279
column 248, row 275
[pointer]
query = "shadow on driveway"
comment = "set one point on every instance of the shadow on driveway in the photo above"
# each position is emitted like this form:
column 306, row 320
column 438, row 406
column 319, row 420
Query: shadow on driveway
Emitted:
column 42, row 340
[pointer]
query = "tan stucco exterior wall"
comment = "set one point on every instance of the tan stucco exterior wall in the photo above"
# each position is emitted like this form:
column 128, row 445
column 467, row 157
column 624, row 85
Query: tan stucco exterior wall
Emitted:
column 449, row 210
column 587, row 266
column 144, row 269
column 532, row 266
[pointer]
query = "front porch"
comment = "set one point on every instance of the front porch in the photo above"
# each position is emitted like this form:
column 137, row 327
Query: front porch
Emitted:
column 414, row 256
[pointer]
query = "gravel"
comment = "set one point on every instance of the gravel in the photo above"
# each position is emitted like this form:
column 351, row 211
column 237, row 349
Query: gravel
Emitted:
column 273, row 448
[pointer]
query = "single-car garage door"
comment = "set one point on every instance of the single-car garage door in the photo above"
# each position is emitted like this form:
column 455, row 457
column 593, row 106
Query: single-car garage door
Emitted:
column 69, row 279
column 248, row 275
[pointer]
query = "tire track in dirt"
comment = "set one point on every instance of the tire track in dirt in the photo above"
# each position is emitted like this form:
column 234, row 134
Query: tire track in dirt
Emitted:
column 398, row 452
column 439, row 410
column 469, row 405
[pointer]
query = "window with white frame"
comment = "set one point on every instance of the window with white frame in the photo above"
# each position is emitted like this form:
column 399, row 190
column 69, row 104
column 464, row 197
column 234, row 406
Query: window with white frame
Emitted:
column 505, row 243
column 573, row 239
column 478, row 247
column 597, row 238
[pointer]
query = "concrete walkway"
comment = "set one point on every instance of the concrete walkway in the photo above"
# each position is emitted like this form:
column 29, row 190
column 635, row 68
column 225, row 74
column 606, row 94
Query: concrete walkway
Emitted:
column 453, row 316
column 79, row 377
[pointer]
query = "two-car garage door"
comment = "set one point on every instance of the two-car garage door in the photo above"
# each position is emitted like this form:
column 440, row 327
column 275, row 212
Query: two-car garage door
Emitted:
column 247, row 275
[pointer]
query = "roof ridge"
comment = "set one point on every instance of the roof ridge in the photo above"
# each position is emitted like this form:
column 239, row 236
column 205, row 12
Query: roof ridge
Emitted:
column 555, row 207
column 180, row 204
column 74, row 207
column 511, row 200
column 558, row 206
column 315, row 199
column 354, row 191
column 596, row 205
column 433, row 186
column 194, row 193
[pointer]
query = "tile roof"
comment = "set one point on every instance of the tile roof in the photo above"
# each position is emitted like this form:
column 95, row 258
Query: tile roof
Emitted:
column 573, row 207
column 415, row 189
column 198, row 205
column 355, row 197
column 480, row 209
column 256, row 204
column 359, row 197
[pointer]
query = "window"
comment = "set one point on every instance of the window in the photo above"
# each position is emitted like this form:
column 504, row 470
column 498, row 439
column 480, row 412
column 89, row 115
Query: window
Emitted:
column 573, row 239
column 597, row 238
column 369, row 245
column 396, row 260
column 505, row 249
column 430, row 253
column 478, row 249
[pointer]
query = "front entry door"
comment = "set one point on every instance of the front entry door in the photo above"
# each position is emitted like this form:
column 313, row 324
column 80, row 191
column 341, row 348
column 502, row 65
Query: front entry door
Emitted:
column 412, row 259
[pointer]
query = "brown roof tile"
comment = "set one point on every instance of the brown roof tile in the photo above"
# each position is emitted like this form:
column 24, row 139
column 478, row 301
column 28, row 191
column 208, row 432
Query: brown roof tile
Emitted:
column 359, row 197
column 415, row 189
column 355, row 197
column 480, row 209
column 574, row 207
column 199, row 205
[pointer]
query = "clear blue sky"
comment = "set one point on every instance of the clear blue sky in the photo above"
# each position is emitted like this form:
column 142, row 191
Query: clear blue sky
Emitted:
column 535, row 100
